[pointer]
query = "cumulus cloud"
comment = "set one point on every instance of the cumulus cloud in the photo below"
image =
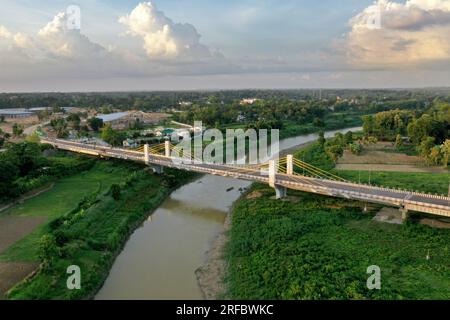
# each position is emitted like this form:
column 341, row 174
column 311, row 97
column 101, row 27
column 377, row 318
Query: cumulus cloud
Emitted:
column 60, row 40
column 58, row 51
column 163, row 39
column 392, row 34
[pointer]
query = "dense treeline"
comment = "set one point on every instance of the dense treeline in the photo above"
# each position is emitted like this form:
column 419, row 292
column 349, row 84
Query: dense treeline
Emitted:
column 428, row 130
column 164, row 99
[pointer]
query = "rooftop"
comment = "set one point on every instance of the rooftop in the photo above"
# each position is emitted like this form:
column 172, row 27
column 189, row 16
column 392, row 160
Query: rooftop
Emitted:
column 112, row 116
column 14, row 111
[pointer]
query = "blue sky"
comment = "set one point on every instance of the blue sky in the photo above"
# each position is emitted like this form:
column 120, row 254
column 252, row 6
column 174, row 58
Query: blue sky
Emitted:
column 245, row 43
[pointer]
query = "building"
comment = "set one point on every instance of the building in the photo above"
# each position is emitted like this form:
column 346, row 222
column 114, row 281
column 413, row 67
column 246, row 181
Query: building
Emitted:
column 130, row 143
column 15, row 113
column 117, row 120
column 122, row 120
column 248, row 101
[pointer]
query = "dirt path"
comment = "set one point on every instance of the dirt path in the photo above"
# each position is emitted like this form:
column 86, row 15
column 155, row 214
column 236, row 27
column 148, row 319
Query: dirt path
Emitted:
column 13, row 272
column 14, row 228
column 388, row 167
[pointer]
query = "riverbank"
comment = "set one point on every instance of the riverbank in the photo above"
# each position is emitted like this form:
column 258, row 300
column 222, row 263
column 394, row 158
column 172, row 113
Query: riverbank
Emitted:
column 211, row 274
column 93, row 233
column 315, row 247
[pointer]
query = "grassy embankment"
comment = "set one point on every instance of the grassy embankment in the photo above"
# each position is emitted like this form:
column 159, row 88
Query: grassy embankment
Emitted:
column 89, row 223
column 314, row 247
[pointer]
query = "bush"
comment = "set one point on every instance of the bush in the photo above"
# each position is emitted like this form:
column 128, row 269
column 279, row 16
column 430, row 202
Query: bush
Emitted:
column 115, row 192
column 48, row 250
column 356, row 148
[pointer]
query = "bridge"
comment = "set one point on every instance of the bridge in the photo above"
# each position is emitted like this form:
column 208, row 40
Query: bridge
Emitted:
column 283, row 174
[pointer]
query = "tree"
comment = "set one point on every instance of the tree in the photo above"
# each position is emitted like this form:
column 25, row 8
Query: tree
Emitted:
column 348, row 137
column 322, row 139
column 17, row 130
column 48, row 250
column 57, row 109
column 95, row 124
column 74, row 121
column 421, row 128
column 26, row 156
column 60, row 126
column 445, row 150
column 435, row 155
column 2, row 119
column 34, row 138
column 8, row 174
column 112, row 137
column 425, row 147
column 43, row 115
column 356, row 148
column 369, row 124
column 334, row 151
column 398, row 141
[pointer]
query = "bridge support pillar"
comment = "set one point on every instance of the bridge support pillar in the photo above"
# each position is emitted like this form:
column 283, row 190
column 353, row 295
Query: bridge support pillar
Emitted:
column 167, row 149
column 272, row 173
column 280, row 192
column 405, row 214
column 146, row 154
column 290, row 164
column 158, row 169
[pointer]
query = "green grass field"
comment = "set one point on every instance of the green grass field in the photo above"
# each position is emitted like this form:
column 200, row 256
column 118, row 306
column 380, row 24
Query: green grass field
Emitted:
column 62, row 198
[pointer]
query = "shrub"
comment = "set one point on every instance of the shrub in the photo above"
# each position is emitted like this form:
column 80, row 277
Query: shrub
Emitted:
column 115, row 192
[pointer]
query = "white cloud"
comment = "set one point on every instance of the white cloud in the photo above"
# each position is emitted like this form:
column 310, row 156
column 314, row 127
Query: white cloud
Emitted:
column 59, row 40
column 5, row 33
column 58, row 52
column 163, row 39
column 391, row 34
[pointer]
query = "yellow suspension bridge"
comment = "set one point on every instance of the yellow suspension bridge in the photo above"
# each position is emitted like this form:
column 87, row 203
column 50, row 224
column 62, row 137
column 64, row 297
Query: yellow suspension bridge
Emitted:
column 282, row 174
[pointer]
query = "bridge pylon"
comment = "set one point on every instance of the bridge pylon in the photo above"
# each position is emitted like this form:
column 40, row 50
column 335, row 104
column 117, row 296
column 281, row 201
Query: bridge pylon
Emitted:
column 290, row 164
column 146, row 154
column 167, row 149
column 280, row 191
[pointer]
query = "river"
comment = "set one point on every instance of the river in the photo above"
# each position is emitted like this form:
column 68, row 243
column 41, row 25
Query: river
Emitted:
column 160, row 258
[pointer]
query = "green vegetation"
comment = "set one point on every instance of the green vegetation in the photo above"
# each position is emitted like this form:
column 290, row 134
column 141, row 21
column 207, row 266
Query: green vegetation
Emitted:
column 93, row 231
column 23, row 168
column 62, row 198
column 428, row 130
column 425, row 182
column 314, row 247
column 112, row 137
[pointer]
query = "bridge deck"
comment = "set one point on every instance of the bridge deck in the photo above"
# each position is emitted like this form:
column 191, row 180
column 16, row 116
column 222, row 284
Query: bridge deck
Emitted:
column 422, row 202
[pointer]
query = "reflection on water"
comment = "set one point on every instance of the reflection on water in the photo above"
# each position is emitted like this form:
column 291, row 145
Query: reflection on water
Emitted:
column 159, row 259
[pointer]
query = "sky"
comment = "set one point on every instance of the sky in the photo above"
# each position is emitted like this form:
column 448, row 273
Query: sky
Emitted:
column 112, row 45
